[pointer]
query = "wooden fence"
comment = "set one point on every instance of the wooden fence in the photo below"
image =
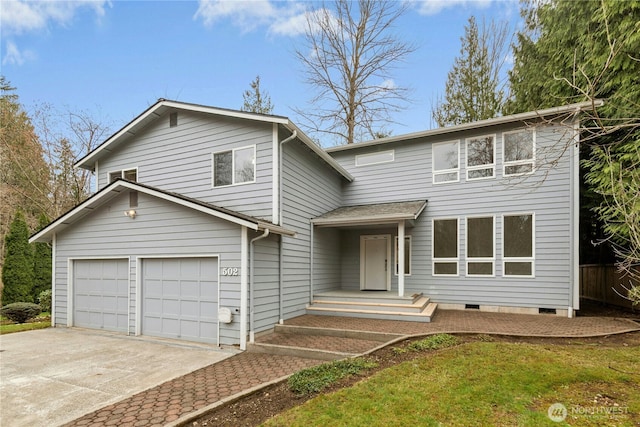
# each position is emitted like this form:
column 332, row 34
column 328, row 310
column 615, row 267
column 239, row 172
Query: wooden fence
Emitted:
column 597, row 282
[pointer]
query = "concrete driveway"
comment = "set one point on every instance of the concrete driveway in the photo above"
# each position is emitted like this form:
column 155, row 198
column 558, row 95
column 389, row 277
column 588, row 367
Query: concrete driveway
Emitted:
column 52, row 376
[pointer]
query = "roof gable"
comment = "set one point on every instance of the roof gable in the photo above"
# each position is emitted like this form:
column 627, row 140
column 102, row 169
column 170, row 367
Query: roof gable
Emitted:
column 117, row 187
column 163, row 105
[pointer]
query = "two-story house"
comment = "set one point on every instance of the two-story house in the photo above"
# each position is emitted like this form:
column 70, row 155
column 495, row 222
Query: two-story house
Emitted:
column 212, row 225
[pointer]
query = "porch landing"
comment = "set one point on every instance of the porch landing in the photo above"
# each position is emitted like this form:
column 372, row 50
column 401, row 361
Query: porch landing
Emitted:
column 385, row 305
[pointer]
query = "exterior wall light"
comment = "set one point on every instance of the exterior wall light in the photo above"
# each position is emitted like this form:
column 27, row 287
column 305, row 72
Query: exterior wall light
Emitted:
column 131, row 213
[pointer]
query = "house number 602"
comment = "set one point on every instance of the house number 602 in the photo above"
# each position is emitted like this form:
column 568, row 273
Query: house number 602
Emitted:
column 230, row 271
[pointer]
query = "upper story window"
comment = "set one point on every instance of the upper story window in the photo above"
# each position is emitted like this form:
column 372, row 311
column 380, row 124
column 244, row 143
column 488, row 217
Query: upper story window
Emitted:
column 375, row 158
column 446, row 162
column 128, row 174
column 518, row 245
column 481, row 161
column 237, row 166
column 518, row 152
column 445, row 247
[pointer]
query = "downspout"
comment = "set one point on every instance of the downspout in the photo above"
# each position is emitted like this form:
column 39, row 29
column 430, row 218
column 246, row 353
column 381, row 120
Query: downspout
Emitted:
column 280, row 223
column 575, row 220
column 251, row 283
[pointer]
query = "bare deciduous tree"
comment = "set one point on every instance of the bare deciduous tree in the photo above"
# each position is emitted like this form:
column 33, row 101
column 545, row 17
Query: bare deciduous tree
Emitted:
column 348, row 55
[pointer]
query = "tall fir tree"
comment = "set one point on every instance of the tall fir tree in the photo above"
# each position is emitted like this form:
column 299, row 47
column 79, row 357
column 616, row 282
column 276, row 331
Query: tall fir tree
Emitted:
column 41, row 263
column 572, row 51
column 475, row 88
column 17, row 271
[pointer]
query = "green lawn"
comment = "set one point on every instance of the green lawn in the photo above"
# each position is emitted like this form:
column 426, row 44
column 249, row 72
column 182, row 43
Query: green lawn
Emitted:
column 488, row 384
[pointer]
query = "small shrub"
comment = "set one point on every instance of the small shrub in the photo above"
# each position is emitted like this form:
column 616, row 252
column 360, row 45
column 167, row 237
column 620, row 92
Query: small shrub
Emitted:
column 20, row 312
column 434, row 342
column 44, row 300
column 313, row 380
column 399, row 350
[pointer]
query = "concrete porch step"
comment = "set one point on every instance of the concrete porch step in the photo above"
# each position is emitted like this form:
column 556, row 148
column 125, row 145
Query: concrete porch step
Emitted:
column 373, row 313
column 415, row 306
column 367, row 296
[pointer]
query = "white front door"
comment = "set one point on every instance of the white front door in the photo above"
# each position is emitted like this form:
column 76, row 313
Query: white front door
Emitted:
column 374, row 263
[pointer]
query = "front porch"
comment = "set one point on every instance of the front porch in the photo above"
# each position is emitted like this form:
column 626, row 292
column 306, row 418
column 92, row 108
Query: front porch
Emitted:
column 386, row 305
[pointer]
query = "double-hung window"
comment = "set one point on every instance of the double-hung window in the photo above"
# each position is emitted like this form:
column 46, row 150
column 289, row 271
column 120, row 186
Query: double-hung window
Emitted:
column 237, row 166
column 518, row 152
column 445, row 247
column 481, row 157
column 446, row 162
column 518, row 249
column 128, row 174
column 480, row 246
column 407, row 256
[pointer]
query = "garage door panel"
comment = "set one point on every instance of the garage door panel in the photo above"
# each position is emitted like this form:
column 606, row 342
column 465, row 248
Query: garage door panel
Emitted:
column 186, row 289
column 101, row 294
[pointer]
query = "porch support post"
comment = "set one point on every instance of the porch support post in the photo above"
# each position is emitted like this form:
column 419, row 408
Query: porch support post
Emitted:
column 400, row 258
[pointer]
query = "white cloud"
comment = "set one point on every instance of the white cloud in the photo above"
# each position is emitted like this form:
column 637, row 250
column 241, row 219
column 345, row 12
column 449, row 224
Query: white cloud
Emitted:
column 247, row 15
column 433, row 7
column 287, row 18
column 14, row 56
column 20, row 16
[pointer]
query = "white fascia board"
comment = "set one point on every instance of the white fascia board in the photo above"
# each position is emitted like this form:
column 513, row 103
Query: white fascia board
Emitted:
column 363, row 221
column 320, row 152
column 581, row 106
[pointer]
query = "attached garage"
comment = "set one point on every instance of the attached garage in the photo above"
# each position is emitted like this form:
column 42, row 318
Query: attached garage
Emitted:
column 101, row 294
column 180, row 298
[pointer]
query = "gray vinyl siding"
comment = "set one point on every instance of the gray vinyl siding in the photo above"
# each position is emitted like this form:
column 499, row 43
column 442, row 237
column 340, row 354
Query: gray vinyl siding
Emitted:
column 546, row 194
column 266, row 283
column 179, row 159
column 310, row 188
column 160, row 229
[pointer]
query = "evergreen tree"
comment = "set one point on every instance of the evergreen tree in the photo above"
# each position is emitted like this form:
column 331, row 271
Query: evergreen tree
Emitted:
column 474, row 90
column 572, row 51
column 41, row 263
column 17, row 271
column 255, row 101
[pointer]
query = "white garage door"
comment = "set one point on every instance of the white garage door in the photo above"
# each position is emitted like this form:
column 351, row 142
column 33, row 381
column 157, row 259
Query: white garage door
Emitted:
column 180, row 298
column 100, row 289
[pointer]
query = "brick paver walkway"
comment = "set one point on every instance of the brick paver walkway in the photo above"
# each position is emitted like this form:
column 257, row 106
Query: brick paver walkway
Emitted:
column 201, row 389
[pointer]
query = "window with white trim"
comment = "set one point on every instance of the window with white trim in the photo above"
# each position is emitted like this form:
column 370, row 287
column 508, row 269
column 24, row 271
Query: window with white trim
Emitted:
column 481, row 156
column 480, row 247
column 407, row 256
column 128, row 174
column 518, row 249
column 237, row 166
column 375, row 158
column 518, row 152
column 446, row 162
column 445, row 247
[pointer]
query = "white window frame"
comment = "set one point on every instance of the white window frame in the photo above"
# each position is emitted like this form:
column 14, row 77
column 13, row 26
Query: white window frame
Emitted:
column 531, row 161
column 395, row 255
column 361, row 159
column 532, row 258
column 435, row 173
column 233, row 167
column 491, row 166
column 122, row 171
column 469, row 259
column 435, row 260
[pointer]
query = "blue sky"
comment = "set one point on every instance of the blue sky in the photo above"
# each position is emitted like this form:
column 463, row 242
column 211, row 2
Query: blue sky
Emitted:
column 115, row 58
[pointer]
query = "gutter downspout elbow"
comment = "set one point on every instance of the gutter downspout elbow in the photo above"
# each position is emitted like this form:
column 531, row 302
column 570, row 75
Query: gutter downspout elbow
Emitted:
column 251, row 280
